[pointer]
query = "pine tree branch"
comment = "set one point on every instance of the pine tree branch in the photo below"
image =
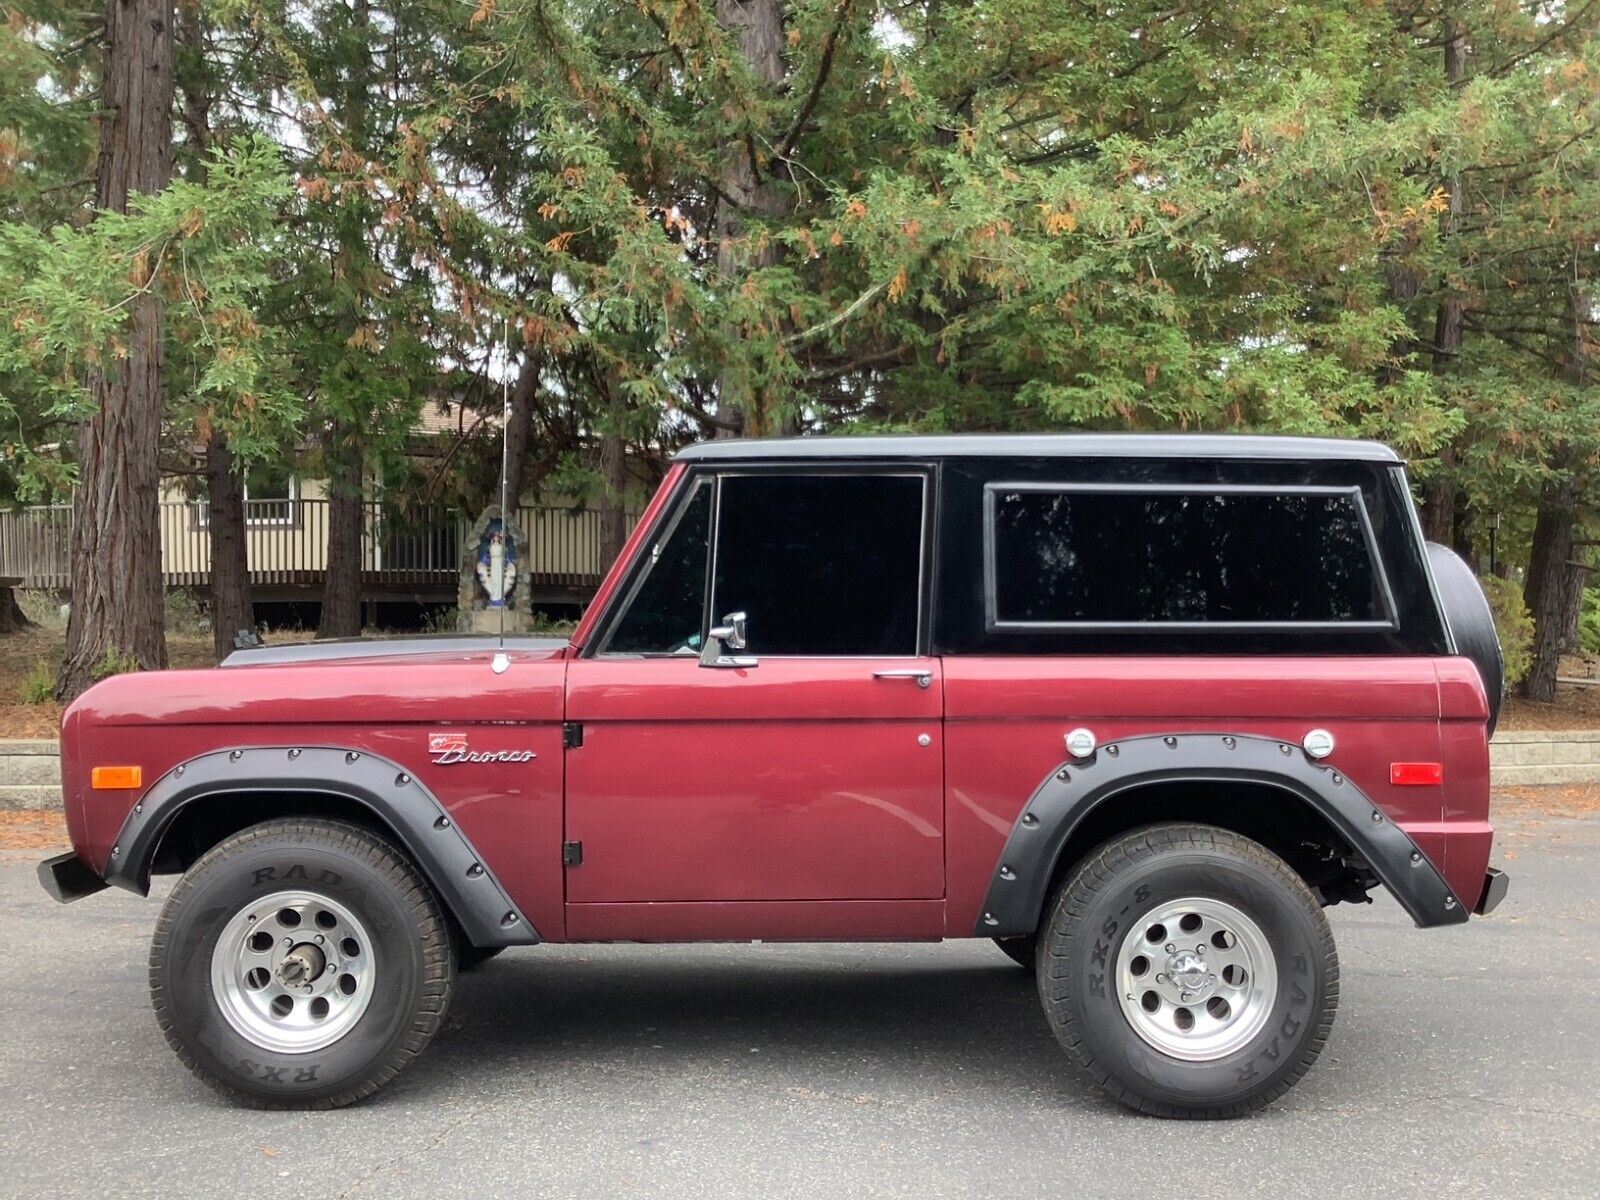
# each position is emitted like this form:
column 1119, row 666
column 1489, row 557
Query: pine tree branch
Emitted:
column 824, row 69
column 805, row 337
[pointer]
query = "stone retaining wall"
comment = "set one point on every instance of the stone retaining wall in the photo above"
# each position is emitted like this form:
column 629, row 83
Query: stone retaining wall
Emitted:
column 1535, row 756
column 30, row 774
column 30, row 771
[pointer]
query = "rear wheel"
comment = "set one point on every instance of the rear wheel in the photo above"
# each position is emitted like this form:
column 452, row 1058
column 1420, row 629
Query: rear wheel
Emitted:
column 1189, row 971
column 300, row 964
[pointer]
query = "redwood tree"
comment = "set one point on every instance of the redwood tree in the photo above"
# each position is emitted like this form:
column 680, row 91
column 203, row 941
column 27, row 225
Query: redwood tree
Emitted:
column 117, row 603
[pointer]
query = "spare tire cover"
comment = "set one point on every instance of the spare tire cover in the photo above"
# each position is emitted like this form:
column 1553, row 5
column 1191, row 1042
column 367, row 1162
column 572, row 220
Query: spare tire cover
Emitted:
column 1466, row 611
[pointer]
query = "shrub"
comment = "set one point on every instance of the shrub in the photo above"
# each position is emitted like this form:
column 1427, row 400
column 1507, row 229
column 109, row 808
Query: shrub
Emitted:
column 39, row 684
column 1513, row 623
column 115, row 662
column 1589, row 622
column 184, row 612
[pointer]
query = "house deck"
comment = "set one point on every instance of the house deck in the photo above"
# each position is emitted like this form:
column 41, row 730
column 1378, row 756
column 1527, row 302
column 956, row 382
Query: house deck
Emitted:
column 404, row 556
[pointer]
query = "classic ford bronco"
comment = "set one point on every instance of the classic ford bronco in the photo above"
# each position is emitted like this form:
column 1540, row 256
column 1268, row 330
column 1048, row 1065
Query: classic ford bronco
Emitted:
column 1138, row 708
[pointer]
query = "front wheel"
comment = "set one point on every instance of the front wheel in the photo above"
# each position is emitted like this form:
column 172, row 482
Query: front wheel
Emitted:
column 1189, row 971
column 300, row 964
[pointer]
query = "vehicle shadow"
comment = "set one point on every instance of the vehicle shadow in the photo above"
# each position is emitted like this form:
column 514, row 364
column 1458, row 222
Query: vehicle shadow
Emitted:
column 938, row 1012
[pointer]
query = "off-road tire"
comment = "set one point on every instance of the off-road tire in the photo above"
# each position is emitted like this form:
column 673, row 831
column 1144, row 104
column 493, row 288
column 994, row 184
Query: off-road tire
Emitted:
column 1109, row 893
column 1021, row 950
column 413, row 973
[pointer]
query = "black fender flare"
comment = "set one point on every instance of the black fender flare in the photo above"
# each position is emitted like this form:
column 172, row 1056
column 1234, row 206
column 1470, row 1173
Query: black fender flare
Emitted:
column 460, row 877
column 1017, row 892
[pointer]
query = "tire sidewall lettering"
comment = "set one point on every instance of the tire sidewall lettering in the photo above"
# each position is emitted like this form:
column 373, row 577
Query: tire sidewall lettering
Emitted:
column 198, row 1021
column 1091, row 953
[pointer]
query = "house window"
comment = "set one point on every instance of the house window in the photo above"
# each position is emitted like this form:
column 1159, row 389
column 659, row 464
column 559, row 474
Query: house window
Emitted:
column 271, row 497
column 1149, row 557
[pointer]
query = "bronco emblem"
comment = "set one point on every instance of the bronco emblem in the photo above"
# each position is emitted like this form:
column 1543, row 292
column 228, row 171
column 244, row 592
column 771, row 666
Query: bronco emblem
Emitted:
column 449, row 748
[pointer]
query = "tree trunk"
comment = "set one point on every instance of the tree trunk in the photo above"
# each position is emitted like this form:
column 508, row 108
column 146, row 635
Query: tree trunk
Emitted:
column 746, row 188
column 1549, row 578
column 117, row 602
column 518, row 435
column 614, row 476
column 341, row 592
column 1439, row 517
column 613, row 518
column 1442, row 521
column 12, row 618
column 232, row 608
column 1552, row 577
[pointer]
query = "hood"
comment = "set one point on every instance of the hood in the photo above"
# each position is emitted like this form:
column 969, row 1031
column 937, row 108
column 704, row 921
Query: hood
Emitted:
column 436, row 647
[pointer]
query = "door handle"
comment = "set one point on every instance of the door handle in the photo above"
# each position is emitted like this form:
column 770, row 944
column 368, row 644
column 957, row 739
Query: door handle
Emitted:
column 924, row 678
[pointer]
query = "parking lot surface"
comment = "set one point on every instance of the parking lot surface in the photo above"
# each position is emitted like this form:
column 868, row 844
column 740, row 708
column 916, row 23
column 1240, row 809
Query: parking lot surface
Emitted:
column 1464, row 1062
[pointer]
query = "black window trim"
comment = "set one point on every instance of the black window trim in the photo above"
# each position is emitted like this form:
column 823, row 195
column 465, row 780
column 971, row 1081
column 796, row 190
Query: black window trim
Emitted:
column 991, row 616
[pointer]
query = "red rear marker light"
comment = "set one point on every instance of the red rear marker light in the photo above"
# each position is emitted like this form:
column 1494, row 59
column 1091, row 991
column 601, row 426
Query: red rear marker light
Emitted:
column 116, row 777
column 1416, row 774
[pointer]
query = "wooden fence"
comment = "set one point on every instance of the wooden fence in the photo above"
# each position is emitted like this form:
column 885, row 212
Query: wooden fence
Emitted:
column 408, row 552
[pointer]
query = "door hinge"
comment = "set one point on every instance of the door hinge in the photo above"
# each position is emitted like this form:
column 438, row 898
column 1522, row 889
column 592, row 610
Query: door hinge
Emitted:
column 572, row 735
column 571, row 854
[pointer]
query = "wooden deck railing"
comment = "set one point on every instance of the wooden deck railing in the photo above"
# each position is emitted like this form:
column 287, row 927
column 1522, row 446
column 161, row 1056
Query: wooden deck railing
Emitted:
column 288, row 545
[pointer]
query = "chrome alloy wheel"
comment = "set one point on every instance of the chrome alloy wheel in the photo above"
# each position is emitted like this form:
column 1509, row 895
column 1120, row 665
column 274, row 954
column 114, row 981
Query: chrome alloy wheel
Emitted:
column 293, row 972
column 1196, row 978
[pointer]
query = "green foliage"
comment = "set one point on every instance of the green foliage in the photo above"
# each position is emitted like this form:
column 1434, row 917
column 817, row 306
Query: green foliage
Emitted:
column 114, row 662
column 39, row 684
column 1512, row 624
column 444, row 619
column 1589, row 622
column 206, row 249
column 1005, row 215
column 184, row 613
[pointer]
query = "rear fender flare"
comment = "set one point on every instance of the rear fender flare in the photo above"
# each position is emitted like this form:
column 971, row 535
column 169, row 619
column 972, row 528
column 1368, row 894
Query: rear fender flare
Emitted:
column 1017, row 891
column 462, row 879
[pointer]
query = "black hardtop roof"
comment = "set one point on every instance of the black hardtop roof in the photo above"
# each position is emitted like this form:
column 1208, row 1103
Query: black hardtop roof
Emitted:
column 1040, row 445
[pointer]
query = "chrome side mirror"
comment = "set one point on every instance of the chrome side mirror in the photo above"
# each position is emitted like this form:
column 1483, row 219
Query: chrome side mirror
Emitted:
column 730, row 635
column 733, row 632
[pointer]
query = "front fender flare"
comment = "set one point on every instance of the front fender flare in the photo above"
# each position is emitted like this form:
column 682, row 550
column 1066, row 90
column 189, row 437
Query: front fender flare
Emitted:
column 1017, row 892
column 460, row 877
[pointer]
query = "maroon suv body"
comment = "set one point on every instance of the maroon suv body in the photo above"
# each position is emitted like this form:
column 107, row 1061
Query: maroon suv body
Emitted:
column 1135, row 707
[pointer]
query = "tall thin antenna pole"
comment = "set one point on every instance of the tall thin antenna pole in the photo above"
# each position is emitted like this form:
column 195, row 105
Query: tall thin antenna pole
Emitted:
column 501, row 659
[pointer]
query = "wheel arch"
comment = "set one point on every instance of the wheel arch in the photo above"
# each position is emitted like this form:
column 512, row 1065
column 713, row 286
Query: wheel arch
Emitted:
column 208, row 798
column 1308, row 813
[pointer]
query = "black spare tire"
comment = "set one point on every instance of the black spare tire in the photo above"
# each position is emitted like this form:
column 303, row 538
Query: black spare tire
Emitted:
column 1466, row 611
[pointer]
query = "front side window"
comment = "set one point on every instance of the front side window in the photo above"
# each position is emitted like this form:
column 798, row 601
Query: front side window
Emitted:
column 822, row 564
column 666, row 611
column 1062, row 556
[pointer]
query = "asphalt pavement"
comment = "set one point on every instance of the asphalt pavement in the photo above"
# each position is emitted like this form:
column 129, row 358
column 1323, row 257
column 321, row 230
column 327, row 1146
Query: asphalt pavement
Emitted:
column 1464, row 1062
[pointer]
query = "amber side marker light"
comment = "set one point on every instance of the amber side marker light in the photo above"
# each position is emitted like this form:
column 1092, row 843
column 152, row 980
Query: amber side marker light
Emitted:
column 1416, row 774
column 102, row 778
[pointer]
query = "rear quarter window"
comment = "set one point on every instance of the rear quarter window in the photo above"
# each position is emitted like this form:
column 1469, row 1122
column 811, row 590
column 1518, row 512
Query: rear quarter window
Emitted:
column 1065, row 556
column 1101, row 555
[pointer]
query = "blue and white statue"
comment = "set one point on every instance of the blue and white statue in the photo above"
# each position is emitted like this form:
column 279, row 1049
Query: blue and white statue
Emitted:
column 497, row 566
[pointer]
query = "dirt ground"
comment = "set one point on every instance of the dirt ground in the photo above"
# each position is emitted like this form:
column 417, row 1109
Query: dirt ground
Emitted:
column 1576, row 707
column 36, row 651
